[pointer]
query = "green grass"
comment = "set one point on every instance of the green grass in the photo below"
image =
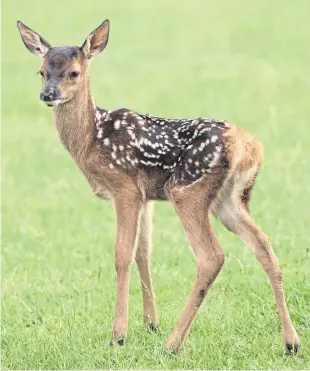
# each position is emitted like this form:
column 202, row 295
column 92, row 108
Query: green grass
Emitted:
column 248, row 62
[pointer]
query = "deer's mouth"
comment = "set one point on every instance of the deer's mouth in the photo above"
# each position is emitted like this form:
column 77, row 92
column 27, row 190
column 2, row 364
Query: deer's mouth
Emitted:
column 53, row 103
column 56, row 102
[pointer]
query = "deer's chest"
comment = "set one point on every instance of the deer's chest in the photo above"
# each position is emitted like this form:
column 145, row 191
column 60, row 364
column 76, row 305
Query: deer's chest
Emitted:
column 95, row 170
column 101, row 191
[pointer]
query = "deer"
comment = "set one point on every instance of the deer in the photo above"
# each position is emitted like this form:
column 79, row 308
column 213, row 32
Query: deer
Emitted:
column 202, row 166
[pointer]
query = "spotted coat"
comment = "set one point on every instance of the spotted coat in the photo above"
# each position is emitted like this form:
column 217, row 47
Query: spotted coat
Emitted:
column 183, row 149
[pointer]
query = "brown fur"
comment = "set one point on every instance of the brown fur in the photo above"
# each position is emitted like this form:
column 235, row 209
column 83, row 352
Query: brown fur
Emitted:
column 225, row 192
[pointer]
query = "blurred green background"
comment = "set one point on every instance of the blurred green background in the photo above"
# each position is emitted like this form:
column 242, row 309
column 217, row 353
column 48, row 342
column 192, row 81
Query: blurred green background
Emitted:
column 244, row 61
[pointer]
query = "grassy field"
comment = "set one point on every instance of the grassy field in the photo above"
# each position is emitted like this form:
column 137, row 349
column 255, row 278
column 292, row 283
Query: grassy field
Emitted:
column 248, row 62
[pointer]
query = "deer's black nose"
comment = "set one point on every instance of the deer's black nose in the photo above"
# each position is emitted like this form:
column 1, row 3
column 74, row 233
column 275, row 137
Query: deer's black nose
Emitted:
column 48, row 96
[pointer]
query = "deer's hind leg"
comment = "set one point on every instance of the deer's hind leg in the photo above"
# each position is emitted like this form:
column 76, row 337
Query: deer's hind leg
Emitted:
column 233, row 211
column 192, row 205
column 143, row 257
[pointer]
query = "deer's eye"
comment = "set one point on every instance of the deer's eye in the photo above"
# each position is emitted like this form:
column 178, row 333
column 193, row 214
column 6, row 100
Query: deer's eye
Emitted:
column 74, row 74
column 41, row 73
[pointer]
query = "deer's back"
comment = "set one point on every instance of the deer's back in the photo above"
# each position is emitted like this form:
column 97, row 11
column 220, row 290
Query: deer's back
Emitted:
column 157, row 151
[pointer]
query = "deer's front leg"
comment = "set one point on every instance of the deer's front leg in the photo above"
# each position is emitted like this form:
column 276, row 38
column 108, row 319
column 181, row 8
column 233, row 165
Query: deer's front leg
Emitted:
column 128, row 212
column 143, row 257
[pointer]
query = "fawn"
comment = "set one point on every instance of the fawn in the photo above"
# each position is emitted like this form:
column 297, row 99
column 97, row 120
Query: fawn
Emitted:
column 201, row 166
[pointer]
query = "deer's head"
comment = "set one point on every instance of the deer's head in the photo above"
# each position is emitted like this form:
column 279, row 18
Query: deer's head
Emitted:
column 64, row 67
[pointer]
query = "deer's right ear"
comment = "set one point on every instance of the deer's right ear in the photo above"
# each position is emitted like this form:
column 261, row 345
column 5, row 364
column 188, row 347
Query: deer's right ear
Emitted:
column 33, row 41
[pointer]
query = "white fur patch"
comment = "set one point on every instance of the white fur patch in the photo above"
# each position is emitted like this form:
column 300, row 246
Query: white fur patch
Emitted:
column 117, row 124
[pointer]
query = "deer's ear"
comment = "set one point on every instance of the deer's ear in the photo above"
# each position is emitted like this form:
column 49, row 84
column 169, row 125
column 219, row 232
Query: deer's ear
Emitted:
column 97, row 40
column 33, row 41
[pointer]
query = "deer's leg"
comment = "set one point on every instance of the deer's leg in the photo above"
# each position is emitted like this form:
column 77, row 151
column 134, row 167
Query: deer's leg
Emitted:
column 143, row 255
column 235, row 217
column 128, row 211
column 192, row 208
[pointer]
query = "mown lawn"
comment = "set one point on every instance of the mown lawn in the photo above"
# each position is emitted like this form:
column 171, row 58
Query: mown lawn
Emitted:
column 248, row 62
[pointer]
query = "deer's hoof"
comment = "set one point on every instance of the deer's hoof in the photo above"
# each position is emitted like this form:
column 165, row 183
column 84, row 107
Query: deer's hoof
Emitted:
column 120, row 341
column 173, row 346
column 291, row 341
column 291, row 349
column 153, row 327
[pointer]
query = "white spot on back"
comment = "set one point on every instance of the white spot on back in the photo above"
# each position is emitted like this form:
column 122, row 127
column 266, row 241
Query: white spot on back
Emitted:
column 117, row 124
column 100, row 133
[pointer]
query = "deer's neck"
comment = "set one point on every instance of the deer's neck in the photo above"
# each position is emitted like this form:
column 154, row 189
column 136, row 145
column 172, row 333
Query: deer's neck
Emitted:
column 74, row 122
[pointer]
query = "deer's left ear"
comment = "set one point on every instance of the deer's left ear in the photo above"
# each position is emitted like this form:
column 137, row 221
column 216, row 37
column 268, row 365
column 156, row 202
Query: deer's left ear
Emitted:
column 97, row 40
column 33, row 41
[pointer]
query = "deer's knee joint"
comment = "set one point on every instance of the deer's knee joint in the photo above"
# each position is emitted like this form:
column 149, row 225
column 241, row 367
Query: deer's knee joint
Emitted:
column 209, row 268
column 122, row 263
column 122, row 267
